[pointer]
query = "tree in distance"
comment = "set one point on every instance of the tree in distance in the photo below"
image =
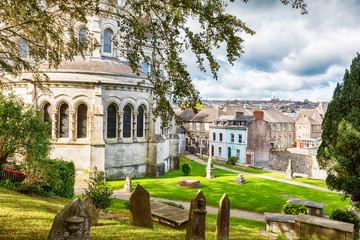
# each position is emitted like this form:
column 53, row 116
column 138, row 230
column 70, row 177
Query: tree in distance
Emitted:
column 46, row 29
column 339, row 151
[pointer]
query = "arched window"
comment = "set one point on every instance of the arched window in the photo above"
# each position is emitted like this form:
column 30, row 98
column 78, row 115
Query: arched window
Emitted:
column 64, row 120
column 219, row 151
column 111, row 121
column 240, row 138
column 214, row 136
column 47, row 114
column 145, row 67
column 232, row 137
column 107, row 41
column 23, row 48
column 82, row 121
column 83, row 38
column 127, row 122
column 140, row 122
column 220, row 137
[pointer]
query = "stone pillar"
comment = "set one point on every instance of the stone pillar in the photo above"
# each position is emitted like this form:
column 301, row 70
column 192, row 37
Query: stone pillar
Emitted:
column 210, row 169
column 146, row 126
column 223, row 219
column 195, row 229
column 289, row 171
column 134, row 128
column 72, row 127
column 54, row 115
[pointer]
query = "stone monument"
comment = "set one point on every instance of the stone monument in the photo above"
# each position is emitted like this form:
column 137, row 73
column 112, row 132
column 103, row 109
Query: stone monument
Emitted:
column 128, row 184
column 223, row 219
column 289, row 171
column 91, row 209
column 195, row 229
column 72, row 223
column 140, row 211
column 240, row 179
column 210, row 169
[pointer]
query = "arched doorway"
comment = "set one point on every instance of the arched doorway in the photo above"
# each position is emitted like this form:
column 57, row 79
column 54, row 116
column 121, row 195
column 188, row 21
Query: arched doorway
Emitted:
column 229, row 152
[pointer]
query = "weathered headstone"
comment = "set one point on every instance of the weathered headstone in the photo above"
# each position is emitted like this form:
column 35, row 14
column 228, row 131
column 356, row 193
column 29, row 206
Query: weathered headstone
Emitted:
column 91, row 209
column 210, row 169
column 189, row 183
column 173, row 216
column 223, row 219
column 140, row 211
column 240, row 179
column 195, row 229
column 72, row 223
column 128, row 184
column 289, row 171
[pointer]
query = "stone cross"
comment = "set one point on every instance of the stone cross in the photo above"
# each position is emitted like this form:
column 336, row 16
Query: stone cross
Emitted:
column 240, row 179
column 195, row 229
column 72, row 223
column 128, row 184
column 140, row 211
column 289, row 172
column 223, row 219
column 210, row 169
column 93, row 212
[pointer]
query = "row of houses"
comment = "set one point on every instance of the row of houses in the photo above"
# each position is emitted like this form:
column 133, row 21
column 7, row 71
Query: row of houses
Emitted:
column 249, row 134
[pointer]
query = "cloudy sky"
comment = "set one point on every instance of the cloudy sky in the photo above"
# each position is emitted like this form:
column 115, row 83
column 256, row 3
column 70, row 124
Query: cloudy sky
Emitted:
column 291, row 56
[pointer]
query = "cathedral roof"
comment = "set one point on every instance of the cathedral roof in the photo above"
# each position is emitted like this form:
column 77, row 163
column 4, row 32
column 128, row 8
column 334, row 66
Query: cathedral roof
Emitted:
column 104, row 65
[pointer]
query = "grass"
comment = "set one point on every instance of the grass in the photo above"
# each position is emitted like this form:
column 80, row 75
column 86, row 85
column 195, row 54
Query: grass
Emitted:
column 25, row 217
column 314, row 182
column 258, row 195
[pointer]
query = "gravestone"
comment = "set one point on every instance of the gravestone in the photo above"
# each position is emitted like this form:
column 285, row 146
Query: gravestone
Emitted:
column 189, row 183
column 195, row 229
column 91, row 209
column 128, row 184
column 210, row 169
column 289, row 171
column 72, row 223
column 173, row 216
column 240, row 179
column 140, row 211
column 223, row 219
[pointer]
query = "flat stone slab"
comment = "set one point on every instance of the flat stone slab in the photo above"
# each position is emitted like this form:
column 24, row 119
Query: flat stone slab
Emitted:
column 313, row 204
column 278, row 217
column 327, row 223
column 189, row 183
column 170, row 215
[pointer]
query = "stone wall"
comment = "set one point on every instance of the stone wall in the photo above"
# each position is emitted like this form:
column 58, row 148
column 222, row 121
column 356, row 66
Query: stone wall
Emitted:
column 303, row 164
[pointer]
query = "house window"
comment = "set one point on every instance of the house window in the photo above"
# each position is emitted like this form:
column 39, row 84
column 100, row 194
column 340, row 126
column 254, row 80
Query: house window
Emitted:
column 187, row 125
column 127, row 122
column 279, row 127
column 220, row 137
column 194, row 126
column 47, row 114
column 111, row 121
column 219, row 151
column 290, row 127
column 140, row 122
column 202, row 127
column 238, row 154
column 289, row 140
column 279, row 141
column 274, row 127
column 82, row 38
column 284, row 139
column 23, row 48
column 232, row 137
column 107, row 41
column 64, row 120
column 145, row 67
column 81, row 121
column 284, row 127
column 214, row 136
column 240, row 138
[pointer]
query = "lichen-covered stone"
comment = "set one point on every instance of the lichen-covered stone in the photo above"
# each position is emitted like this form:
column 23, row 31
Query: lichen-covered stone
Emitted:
column 140, row 211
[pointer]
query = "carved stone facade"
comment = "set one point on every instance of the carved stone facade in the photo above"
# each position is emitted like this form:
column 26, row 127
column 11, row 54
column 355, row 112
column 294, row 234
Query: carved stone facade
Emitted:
column 100, row 118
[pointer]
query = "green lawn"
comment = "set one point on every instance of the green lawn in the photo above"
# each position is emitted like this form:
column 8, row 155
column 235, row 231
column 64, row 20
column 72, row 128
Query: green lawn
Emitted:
column 258, row 195
column 314, row 182
column 25, row 217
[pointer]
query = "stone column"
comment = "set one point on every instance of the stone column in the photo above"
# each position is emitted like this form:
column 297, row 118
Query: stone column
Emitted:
column 72, row 127
column 146, row 126
column 54, row 115
column 134, row 136
column 120, row 125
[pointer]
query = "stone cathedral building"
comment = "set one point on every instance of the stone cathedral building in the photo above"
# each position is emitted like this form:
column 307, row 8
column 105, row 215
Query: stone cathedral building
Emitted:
column 99, row 119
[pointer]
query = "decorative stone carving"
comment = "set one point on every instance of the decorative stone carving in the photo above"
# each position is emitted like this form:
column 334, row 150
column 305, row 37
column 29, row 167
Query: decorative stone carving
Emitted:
column 223, row 219
column 240, row 179
column 72, row 223
column 140, row 211
column 289, row 171
column 210, row 169
column 93, row 212
column 197, row 217
column 128, row 184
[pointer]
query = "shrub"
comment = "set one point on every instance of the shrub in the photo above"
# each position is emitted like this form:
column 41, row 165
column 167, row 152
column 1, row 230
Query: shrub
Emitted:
column 99, row 191
column 186, row 169
column 294, row 209
column 173, row 204
column 232, row 160
column 347, row 216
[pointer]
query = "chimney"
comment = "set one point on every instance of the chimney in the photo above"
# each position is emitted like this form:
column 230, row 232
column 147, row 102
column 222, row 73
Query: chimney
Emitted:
column 258, row 114
column 238, row 115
